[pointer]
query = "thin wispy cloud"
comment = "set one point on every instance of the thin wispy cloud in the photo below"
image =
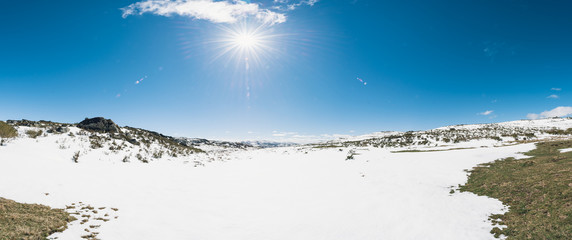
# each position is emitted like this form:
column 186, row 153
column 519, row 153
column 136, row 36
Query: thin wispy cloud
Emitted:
column 556, row 89
column 486, row 113
column 296, row 137
column 283, row 134
column 302, row 139
column 556, row 112
column 227, row 11
column 553, row 96
column 532, row 116
column 293, row 6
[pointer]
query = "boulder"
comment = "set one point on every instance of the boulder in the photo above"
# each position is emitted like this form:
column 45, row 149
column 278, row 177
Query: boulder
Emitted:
column 61, row 129
column 58, row 129
column 99, row 124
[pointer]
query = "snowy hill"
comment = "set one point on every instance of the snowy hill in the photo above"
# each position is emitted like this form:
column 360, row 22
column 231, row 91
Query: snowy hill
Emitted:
column 539, row 124
column 125, row 144
column 130, row 144
column 475, row 135
column 136, row 184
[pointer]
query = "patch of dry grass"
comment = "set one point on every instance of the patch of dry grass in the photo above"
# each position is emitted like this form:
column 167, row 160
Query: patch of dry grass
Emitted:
column 538, row 191
column 30, row 221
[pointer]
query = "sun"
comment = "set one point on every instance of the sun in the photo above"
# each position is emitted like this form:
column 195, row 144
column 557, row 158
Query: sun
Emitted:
column 246, row 43
column 246, row 40
column 246, row 52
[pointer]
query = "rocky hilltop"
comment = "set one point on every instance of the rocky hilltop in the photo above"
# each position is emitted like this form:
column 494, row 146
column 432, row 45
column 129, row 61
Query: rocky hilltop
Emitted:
column 99, row 124
column 102, row 138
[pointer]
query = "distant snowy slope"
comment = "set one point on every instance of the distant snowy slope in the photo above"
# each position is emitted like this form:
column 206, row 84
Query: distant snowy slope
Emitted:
column 548, row 123
column 495, row 134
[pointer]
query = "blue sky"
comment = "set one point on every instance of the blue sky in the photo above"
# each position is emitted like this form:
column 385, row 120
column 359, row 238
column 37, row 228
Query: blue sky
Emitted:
column 426, row 63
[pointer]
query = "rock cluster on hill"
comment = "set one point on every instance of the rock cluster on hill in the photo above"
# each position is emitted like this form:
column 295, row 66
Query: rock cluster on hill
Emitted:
column 99, row 124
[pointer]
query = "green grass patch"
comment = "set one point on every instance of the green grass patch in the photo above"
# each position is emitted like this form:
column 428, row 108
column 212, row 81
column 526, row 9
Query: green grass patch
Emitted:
column 30, row 221
column 7, row 131
column 538, row 191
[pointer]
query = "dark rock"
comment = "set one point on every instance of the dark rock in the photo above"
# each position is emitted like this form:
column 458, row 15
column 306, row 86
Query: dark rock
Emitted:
column 99, row 124
column 62, row 129
column 58, row 129
column 133, row 141
column 23, row 122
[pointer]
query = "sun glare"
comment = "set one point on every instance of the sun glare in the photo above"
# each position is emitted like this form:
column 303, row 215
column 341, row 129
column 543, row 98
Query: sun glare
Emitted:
column 246, row 42
column 248, row 46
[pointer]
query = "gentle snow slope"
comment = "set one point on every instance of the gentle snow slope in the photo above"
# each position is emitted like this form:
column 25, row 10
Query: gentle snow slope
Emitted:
column 282, row 193
column 546, row 123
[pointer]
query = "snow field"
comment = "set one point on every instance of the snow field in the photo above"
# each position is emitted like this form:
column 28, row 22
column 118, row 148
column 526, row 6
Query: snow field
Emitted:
column 281, row 193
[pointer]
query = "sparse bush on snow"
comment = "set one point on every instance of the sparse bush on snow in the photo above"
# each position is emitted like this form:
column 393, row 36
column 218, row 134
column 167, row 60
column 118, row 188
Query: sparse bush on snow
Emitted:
column 75, row 157
column 34, row 133
column 7, row 131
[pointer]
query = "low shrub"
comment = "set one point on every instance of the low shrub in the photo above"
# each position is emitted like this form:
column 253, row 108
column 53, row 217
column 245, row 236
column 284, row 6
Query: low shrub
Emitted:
column 75, row 157
column 34, row 134
column 7, row 131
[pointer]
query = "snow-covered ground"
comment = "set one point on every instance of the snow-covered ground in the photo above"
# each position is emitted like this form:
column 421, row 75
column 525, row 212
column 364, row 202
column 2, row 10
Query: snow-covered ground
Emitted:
column 279, row 193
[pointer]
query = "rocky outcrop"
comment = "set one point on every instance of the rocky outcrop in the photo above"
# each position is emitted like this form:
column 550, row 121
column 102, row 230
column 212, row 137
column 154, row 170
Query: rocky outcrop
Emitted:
column 24, row 122
column 99, row 124
column 58, row 129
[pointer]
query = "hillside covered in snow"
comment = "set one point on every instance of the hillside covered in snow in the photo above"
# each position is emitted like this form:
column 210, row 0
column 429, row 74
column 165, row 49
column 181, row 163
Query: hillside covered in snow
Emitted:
column 475, row 135
column 130, row 183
